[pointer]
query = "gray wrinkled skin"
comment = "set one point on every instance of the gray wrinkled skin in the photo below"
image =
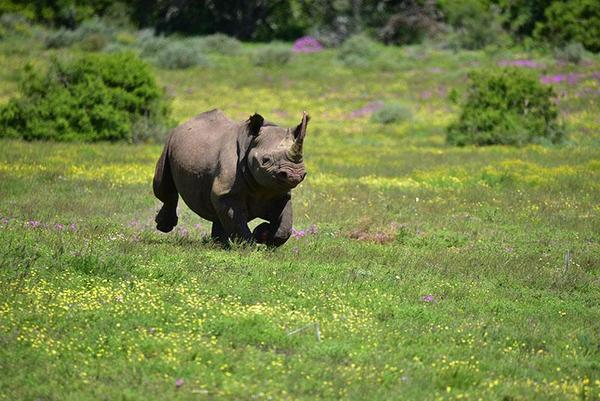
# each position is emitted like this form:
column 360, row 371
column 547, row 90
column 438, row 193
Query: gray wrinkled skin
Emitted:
column 230, row 173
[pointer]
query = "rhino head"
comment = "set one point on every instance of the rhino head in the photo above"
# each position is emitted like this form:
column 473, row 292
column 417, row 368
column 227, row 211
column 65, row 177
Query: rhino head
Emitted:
column 275, row 156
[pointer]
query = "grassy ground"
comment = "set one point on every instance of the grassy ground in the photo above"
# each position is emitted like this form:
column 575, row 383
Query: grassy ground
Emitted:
column 428, row 272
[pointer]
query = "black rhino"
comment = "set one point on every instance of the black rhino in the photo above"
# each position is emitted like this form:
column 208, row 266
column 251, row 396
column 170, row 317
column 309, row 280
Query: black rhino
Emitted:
column 230, row 172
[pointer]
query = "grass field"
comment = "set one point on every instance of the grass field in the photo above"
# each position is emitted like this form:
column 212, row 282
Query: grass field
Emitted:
column 425, row 272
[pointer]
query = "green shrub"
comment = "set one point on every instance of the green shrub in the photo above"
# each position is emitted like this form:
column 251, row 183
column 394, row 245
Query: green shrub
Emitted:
column 96, row 26
column 221, row 44
column 125, row 38
column 272, row 54
column 95, row 98
column 475, row 24
column 150, row 44
column 508, row 107
column 179, row 55
column 357, row 51
column 60, row 38
column 571, row 53
column 93, row 42
column 14, row 24
column 572, row 21
column 391, row 113
column 92, row 35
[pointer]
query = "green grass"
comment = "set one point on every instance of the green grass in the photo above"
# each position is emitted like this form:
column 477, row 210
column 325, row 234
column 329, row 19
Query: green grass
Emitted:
column 111, row 309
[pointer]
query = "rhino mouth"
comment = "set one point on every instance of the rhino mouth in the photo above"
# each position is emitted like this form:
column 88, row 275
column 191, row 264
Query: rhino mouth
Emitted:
column 289, row 178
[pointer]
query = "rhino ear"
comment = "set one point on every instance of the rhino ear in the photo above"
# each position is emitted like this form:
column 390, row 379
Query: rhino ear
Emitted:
column 254, row 123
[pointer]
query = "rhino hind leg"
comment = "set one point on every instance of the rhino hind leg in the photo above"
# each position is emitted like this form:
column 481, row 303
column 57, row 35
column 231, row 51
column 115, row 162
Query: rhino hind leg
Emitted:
column 165, row 190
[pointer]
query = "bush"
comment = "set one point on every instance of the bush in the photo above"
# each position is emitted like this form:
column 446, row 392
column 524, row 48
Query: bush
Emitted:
column 93, row 35
column 96, row 26
column 93, row 42
column 410, row 22
column 391, row 113
column 14, row 24
column 150, row 44
column 358, row 51
column 475, row 24
column 507, row 107
column 572, row 21
column 272, row 54
column 95, row 98
column 179, row 55
column 221, row 44
column 60, row 38
column 571, row 53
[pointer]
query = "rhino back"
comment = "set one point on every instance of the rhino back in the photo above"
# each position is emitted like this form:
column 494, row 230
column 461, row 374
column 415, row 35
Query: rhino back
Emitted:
column 200, row 150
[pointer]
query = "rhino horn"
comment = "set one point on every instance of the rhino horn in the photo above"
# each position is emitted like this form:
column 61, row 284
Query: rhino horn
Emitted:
column 295, row 151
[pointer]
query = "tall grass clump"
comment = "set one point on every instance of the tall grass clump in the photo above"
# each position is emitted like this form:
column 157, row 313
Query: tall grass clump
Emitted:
column 95, row 98
column 507, row 107
column 357, row 51
column 272, row 54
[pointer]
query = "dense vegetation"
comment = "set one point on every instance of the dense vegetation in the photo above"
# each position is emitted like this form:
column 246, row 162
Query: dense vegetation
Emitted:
column 468, row 23
column 506, row 107
column 93, row 98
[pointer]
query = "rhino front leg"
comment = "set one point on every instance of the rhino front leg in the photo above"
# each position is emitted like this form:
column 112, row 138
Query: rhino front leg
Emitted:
column 233, row 219
column 279, row 229
column 217, row 233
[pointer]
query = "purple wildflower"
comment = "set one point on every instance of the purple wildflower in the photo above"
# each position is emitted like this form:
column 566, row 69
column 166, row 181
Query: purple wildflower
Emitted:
column 312, row 229
column 298, row 233
column 183, row 231
column 521, row 63
column 33, row 223
column 571, row 78
column 307, row 44
column 426, row 94
column 4, row 221
column 178, row 383
column 59, row 227
column 73, row 227
column 367, row 109
column 427, row 298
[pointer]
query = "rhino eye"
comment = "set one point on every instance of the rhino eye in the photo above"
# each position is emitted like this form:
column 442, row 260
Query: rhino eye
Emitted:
column 265, row 160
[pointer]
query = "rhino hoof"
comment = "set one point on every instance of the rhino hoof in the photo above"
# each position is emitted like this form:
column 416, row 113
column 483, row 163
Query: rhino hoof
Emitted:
column 165, row 223
column 261, row 233
column 165, row 228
